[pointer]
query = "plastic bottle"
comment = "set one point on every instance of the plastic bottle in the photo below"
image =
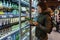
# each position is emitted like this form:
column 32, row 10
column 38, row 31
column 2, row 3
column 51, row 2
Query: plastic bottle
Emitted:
column 7, row 4
column 1, row 4
column 4, row 3
column 10, row 5
column 0, row 23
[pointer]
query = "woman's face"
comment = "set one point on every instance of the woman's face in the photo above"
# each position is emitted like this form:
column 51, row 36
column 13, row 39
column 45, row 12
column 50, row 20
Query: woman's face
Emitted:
column 39, row 9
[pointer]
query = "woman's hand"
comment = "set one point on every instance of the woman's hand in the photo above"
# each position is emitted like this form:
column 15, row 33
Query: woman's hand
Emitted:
column 35, row 23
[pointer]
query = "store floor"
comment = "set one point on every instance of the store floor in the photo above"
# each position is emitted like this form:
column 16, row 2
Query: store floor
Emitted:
column 54, row 35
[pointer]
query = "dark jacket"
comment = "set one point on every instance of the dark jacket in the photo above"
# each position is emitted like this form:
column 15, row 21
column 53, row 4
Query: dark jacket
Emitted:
column 44, row 26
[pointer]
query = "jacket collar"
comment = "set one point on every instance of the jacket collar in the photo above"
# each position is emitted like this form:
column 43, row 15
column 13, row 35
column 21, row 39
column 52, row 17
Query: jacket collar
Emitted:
column 43, row 13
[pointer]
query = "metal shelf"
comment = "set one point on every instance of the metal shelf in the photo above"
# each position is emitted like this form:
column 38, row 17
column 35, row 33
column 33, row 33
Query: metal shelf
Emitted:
column 8, row 25
column 8, row 16
column 23, row 21
column 6, row 35
column 25, row 31
column 24, row 4
column 26, row 36
column 7, row 8
column 25, row 26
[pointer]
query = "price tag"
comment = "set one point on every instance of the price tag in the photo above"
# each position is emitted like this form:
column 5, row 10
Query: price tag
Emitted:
column 10, row 15
column 22, row 18
column 4, row 16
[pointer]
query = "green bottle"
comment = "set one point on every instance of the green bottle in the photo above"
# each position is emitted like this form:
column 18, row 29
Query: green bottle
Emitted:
column 29, row 19
column 17, row 36
column 1, row 4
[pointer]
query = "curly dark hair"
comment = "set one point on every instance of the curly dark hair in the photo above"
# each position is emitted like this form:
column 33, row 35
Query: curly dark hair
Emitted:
column 42, row 5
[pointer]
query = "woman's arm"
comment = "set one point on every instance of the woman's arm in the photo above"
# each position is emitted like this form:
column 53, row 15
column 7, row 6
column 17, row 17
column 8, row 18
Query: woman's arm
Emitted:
column 48, row 25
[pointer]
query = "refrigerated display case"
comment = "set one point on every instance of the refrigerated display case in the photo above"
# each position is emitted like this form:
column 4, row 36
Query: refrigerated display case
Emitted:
column 25, row 26
column 27, row 15
column 14, row 20
column 9, row 20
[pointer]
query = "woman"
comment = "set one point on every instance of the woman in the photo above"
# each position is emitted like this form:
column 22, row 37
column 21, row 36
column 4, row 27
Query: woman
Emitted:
column 43, row 23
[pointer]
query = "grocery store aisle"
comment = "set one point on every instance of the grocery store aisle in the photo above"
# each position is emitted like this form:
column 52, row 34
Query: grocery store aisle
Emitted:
column 54, row 35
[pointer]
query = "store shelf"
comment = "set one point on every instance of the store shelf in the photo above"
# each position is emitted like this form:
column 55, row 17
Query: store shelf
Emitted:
column 6, row 35
column 8, row 8
column 25, row 31
column 8, row 16
column 8, row 25
column 24, row 4
column 28, row 33
column 26, row 36
column 14, row 0
column 25, row 26
column 28, row 26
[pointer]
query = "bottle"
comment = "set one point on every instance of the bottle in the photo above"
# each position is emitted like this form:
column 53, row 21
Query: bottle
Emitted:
column 29, row 19
column 4, row 3
column 0, row 33
column 14, row 12
column 1, row 27
column 9, row 25
column 12, row 20
column 3, row 22
column 17, row 19
column 0, row 23
column 1, row 5
column 10, row 5
column 17, row 36
column 7, row 22
column 7, row 4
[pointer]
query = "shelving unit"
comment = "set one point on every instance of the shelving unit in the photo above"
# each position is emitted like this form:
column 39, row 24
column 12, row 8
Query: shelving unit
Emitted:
column 25, row 26
column 10, row 28
column 9, row 20
column 25, row 3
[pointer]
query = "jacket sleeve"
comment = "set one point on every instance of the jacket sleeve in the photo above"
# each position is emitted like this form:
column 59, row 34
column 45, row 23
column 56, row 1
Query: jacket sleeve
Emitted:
column 48, row 25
